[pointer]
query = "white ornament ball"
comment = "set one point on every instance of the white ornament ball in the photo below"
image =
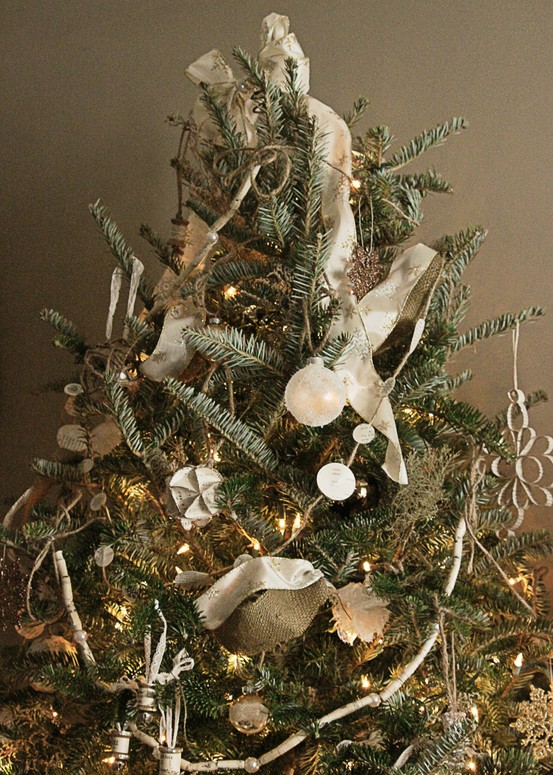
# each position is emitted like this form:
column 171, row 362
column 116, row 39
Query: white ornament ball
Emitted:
column 252, row 764
column 315, row 395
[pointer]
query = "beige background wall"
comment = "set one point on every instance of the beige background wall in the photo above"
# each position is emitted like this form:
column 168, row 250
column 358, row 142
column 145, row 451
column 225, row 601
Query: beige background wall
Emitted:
column 86, row 85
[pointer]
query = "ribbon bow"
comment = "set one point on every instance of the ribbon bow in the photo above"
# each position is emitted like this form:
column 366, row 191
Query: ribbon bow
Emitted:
column 369, row 322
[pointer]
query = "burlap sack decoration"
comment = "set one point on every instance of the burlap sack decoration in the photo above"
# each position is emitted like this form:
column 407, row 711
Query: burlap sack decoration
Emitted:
column 265, row 602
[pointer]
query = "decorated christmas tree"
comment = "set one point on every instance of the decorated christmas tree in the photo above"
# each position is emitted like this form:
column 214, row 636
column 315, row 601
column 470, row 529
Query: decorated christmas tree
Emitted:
column 271, row 538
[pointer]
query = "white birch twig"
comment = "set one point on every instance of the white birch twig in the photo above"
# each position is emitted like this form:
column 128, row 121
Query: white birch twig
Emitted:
column 74, row 618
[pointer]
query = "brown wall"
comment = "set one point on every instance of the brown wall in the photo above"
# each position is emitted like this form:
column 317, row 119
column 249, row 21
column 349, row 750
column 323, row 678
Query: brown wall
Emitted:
column 86, row 87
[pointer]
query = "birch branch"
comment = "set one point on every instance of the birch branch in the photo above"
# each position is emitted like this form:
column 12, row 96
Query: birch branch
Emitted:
column 74, row 618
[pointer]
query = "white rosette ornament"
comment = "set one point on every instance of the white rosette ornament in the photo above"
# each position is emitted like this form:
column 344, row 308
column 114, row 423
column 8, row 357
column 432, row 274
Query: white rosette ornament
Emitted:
column 192, row 491
column 359, row 613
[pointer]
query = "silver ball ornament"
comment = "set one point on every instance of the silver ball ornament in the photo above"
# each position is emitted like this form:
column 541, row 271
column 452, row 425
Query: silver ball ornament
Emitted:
column 252, row 764
column 374, row 700
column 315, row 395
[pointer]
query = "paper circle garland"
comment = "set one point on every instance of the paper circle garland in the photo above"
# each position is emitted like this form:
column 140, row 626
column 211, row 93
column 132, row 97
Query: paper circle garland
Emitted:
column 364, row 433
column 336, row 481
column 315, row 395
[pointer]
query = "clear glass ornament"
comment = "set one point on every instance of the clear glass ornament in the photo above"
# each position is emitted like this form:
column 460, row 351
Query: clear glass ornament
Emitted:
column 315, row 395
column 248, row 714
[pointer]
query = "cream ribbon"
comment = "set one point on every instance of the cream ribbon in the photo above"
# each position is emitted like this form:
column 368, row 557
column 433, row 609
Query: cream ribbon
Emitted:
column 370, row 321
column 253, row 575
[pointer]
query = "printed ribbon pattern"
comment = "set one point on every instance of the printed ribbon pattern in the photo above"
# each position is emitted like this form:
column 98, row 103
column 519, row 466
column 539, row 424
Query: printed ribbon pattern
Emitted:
column 371, row 323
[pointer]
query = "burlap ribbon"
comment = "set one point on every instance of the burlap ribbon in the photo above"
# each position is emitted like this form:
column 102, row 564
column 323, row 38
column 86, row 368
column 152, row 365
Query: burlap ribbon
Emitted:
column 401, row 296
column 262, row 603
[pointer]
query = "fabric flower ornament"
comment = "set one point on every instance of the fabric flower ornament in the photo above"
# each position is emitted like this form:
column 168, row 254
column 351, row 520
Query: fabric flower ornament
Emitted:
column 359, row 613
column 193, row 492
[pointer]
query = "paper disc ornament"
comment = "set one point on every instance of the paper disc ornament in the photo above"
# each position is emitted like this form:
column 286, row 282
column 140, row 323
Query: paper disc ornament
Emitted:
column 336, row 481
column 193, row 490
column 315, row 395
column 262, row 603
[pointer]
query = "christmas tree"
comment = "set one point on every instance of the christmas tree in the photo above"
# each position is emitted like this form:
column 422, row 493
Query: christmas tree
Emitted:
column 271, row 538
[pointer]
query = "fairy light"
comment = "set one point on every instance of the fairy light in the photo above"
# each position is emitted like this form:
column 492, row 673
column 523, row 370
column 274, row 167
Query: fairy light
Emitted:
column 518, row 663
column 367, row 566
column 475, row 713
column 55, row 714
column 512, row 581
column 216, row 457
column 183, row 549
column 282, row 525
column 256, row 546
column 230, row 292
column 471, row 765
column 365, row 682
column 109, row 760
column 297, row 522
column 356, row 184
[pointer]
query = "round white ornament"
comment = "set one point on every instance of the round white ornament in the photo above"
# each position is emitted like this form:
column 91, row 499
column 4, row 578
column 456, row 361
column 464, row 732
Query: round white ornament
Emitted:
column 336, row 481
column 73, row 389
column 364, row 433
column 72, row 437
column 98, row 501
column 103, row 556
column 315, row 395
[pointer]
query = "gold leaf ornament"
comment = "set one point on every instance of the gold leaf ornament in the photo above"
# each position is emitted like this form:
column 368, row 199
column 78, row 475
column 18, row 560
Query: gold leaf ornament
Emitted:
column 535, row 722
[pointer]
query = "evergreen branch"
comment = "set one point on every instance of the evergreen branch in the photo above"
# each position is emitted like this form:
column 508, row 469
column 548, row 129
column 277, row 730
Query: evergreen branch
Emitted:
column 67, row 335
column 427, row 182
column 357, row 111
column 125, row 417
column 62, row 472
column 120, row 250
column 166, row 255
column 428, row 139
column 233, row 429
column 437, row 753
column 495, row 326
column 232, row 348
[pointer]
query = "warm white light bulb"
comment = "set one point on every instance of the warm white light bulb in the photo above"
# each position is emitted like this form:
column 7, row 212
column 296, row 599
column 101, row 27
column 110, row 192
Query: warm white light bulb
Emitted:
column 230, row 292
column 282, row 525
column 365, row 682
column 366, row 566
column 183, row 549
column 475, row 713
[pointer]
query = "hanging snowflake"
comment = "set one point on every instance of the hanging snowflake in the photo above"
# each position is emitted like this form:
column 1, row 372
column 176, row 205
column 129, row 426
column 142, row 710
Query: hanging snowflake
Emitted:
column 535, row 722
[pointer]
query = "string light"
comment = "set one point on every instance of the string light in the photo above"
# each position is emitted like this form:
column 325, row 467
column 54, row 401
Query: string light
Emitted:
column 297, row 522
column 256, row 546
column 518, row 663
column 282, row 525
column 512, row 582
column 475, row 713
column 365, row 682
column 183, row 549
column 230, row 292
column 55, row 714
column 366, row 566
column 471, row 765
column 109, row 760
column 356, row 184
column 216, row 457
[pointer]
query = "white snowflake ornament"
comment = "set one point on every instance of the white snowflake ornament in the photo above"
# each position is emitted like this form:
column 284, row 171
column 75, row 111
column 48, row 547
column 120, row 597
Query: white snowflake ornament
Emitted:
column 193, row 491
column 359, row 613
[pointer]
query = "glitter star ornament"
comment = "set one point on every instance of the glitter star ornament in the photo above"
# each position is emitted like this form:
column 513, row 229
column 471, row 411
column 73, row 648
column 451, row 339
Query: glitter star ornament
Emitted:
column 365, row 271
column 535, row 722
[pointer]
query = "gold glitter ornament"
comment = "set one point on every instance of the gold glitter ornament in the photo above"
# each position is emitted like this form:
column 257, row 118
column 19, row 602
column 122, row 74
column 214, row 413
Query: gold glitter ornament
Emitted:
column 535, row 722
column 365, row 271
